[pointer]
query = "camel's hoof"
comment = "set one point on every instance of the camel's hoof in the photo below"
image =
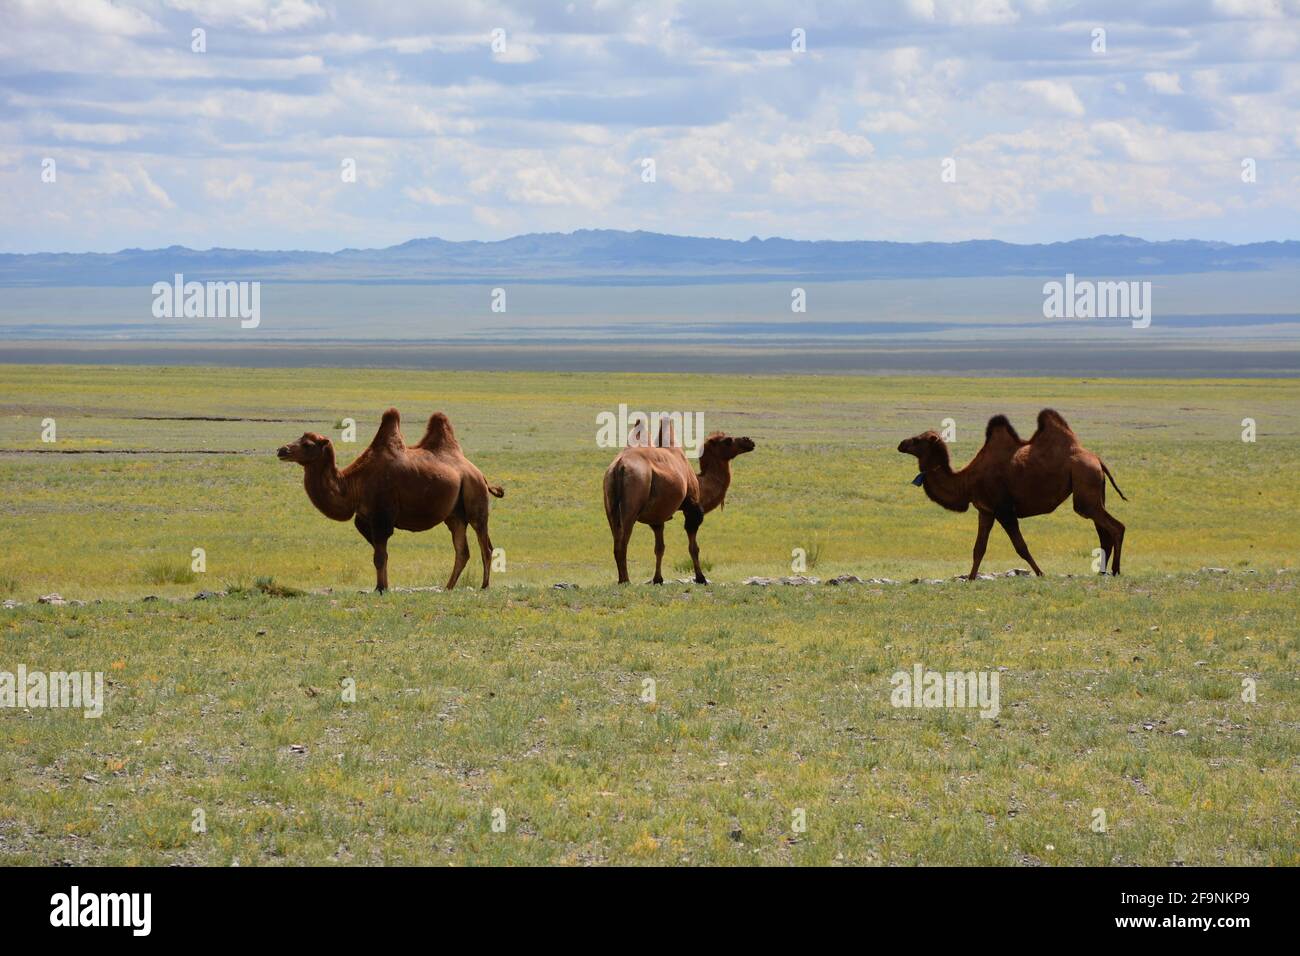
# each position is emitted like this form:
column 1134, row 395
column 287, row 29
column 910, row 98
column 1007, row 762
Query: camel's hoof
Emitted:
column 656, row 580
column 701, row 579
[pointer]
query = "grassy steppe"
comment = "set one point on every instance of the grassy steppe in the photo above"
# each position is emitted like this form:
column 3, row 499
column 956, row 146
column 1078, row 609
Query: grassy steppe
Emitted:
column 825, row 477
column 530, row 700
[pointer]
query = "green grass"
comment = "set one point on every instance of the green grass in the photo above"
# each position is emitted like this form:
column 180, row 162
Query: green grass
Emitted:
column 767, row 700
column 825, row 473
column 529, row 699
column 164, row 571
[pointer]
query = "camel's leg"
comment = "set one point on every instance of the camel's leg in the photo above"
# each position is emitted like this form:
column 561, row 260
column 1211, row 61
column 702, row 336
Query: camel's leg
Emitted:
column 1012, row 527
column 659, row 553
column 363, row 525
column 621, row 537
column 628, row 500
column 981, row 543
column 485, row 549
column 1111, row 528
column 456, row 525
column 625, row 498
column 380, row 532
column 474, row 499
column 1090, row 502
column 1107, row 545
column 694, row 518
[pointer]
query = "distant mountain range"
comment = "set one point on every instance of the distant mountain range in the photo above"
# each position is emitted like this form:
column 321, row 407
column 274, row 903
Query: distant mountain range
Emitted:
column 597, row 256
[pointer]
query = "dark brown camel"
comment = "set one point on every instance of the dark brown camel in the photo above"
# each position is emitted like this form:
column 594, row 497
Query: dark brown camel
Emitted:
column 1011, row 479
column 650, row 485
column 391, row 486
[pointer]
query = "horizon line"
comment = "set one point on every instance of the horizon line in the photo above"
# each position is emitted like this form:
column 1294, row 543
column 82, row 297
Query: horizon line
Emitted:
column 647, row 232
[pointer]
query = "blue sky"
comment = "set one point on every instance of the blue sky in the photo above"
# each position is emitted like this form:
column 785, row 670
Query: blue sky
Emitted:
column 243, row 145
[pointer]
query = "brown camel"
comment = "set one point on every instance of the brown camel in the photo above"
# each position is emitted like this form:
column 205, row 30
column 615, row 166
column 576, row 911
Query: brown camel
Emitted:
column 392, row 485
column 650, row 485
column 1011, row 479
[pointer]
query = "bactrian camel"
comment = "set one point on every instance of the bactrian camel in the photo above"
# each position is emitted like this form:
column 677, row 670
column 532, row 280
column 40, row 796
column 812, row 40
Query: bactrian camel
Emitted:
column 650, row 485
column 392, row 485
column 1011, row 479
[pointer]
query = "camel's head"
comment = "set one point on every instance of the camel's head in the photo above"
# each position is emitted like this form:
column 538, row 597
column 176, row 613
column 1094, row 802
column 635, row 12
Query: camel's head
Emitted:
column 725, row 447
column 307, row 449
column 927, row 448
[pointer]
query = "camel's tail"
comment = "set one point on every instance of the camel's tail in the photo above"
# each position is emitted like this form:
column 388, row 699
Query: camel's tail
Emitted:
column 1112, row 479
column 614, row 498
column 498, row 492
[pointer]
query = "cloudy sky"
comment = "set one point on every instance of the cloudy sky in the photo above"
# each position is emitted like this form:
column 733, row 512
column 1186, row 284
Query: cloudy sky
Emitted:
column 245, row 144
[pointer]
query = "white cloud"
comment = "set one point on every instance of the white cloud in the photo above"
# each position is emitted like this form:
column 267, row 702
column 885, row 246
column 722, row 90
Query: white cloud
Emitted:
column 855, row 146
column 1251, row 9
column 1056, row 95
column 226, row 190
column 107, row 133
column 1167, row 84
column 152, row 189
column 427, row 196
column 260, row 16
column 892, row 121
column 516, row 52
column 244, row 142
column 91, row 16
column 963, row 11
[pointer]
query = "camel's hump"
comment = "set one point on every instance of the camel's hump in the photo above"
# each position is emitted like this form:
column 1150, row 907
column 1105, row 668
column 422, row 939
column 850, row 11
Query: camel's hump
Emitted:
column 390, row 430
column 439, row 434
column 1000, row 423
column 1051, row 418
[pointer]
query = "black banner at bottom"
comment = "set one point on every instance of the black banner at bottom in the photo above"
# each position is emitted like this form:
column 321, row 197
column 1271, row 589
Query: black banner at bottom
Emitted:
column 334, row 905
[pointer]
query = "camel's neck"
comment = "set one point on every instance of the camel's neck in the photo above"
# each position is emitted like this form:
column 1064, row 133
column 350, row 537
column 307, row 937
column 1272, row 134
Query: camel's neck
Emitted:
column 328, row 489
column 715, row 478
column 946, row 487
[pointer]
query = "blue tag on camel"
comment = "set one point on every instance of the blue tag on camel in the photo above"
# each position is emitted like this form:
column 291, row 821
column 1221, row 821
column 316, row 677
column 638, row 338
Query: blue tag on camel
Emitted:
column 919, row 480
